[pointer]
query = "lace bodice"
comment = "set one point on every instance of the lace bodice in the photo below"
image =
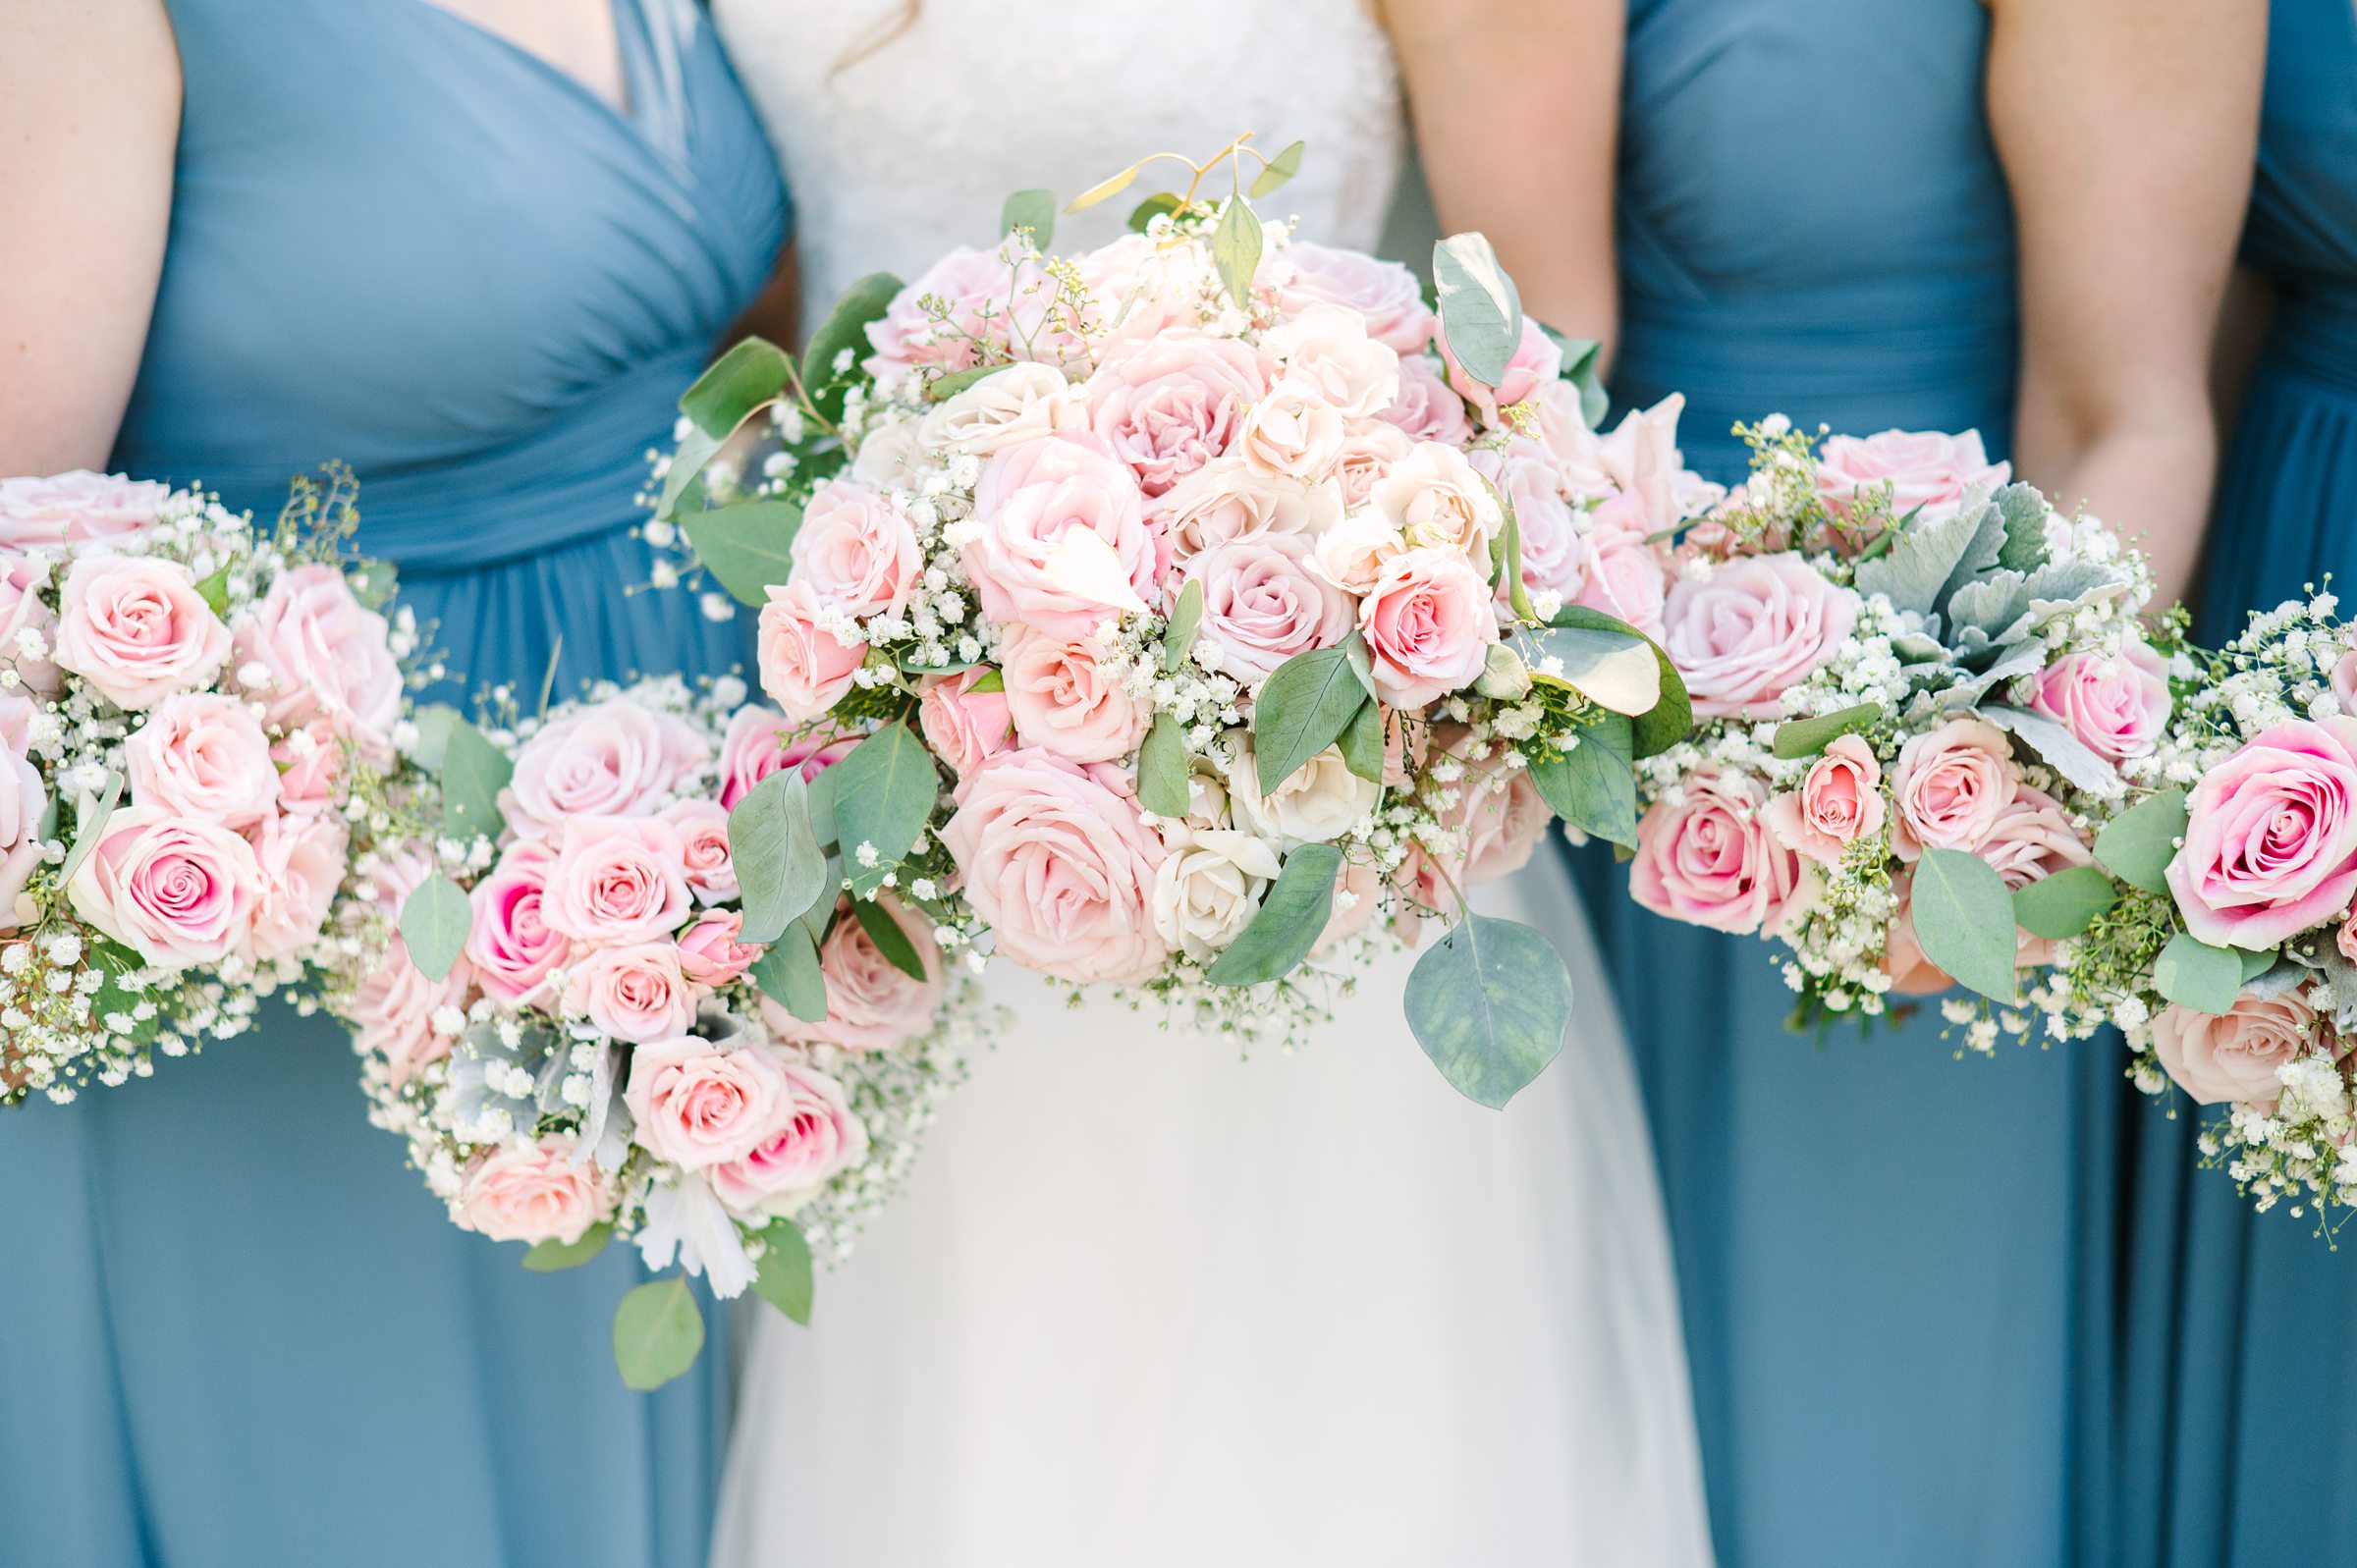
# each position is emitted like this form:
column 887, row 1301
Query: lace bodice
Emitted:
column 904, row 152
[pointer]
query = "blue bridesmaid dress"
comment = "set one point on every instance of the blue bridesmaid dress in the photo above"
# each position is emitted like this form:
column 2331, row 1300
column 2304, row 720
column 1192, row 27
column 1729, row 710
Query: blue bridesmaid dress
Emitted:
column 238, row 1332
column 2237, row 1446
column 1876, row 1242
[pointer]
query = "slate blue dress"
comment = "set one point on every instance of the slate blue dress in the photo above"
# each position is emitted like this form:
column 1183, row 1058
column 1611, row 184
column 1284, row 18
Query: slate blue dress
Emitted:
column 1876, row 1246
column 237, row 1332
column 2237, row 1446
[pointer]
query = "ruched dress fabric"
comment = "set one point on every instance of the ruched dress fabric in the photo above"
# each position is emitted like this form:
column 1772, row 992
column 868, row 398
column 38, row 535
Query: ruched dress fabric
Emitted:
column 240, row 1333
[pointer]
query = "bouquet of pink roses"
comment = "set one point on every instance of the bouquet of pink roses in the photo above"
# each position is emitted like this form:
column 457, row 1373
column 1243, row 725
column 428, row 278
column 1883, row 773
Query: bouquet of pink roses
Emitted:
column 1917, row 687
column 1211, row 610
column 197, row 724
column 587, row 1027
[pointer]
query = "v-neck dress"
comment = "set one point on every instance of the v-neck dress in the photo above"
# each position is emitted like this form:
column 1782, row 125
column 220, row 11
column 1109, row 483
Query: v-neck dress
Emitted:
column 236, row 1331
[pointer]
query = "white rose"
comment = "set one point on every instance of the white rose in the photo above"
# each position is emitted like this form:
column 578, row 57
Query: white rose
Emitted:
column 1436, row 497
column 1224, row 500
column 1352, row 555
column 1024, row 402
column 888, row 457
column 1323, row 799
column 1293, row 433
column 1208, row 889
column 1326, row 350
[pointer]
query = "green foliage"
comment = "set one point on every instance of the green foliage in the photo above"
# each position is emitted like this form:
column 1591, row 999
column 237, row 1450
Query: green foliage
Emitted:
column 2065, row 904
column 943, row 388
column 1236, row 249
column 1806, row 737
column 1102, row 189
column 1668, row 721
column 2193, row 974
column 786, row 1279
column 735, row 383
column 1593, row 785
column 1488, row 1002
column 788, row 973
column 1303, row 707
column 1186, row 619
column 2137, row 845
column 1964, row 917
column 889, row 940
column 215, row 591
column 1280, row 168
column 884, row 789
column 1615, row 668
column 658, row 1333
column 473, row 772
column 748, row 547
column 1142, row 216
column 1034, row 210
column 435, row 921
column 548, row 1257
column 1292, row 916
column 780, row 868
column 1362, row 742
column 846, row 327
column 1161, row 769
column 90, row 823
column 1481, row 313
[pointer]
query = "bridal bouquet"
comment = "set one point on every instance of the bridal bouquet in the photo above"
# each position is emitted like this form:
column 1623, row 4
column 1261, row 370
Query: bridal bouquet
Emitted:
column 1921, row 694
column 614, row 991
column 1211, row 610
column 197, row 724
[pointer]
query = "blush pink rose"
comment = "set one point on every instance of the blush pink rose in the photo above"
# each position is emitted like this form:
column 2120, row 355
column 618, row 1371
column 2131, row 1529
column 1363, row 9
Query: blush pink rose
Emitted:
column 2118, row 706
column 1062, row 699
column 704, row 829
column 204, row 755
column 536, row 1192
column 710, row 953
column 1503, row 817
column 23, row 802
column 1951, row 784
column 509, row 942
column 175, row 891
column 329, row 656
column 1171, row 404
column 699, row 1104
column 1369, row 449
column 1435, row 495
column 857, row 551
column 761, row 740
column 71, row 508
column 804, row 668
column 1428, row 625
column 1060, row 542
column 1840, row 802
column 1922, row 467
column 1326, row 350
column 636, row 993
column 1385, row 293
column 1263, row 604
column 1293, row 433
column 2345, row 939
column 2217, row 1057
column 1648, row 474
column 137, row 630
column 1427, row 407
column 2270, row 841
column 1226, row 500
column 1752, row 630
column 872, row 1003
column 1536, row 363
column 1059, row 865
column 813, row 1136
column 15, row 723
column 604, row 759
column 1525, row 473
column 1710, row 860
column 394, row 1010
column 1009, row 306
column 310, row 768
column 2032, row 840
column 25, row 619
column 1560, row 423
column 301, row 861
column 964, row 728
column 1627, row 577
column 617, row 880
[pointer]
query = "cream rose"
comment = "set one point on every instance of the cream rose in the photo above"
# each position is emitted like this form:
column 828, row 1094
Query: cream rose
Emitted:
column 2217, row 1057
column 1060, row 541
column 1326, row 350
column 1024, row 402
column 1322, row 800
column 27, row 625
column 1291, row 434
column 1208, row 889
column 1224, row 501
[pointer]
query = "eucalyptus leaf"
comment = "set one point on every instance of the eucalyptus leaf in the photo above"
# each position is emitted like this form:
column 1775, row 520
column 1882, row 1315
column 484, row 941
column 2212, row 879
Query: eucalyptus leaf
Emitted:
column 1615, row 669
column 2064, row 904
column 658, row 1333
column 1362, row 742
column 473, row 772
column 1102, row 189
column 943, row 388
column 1292, row 916
column 1668, row 721
column 1163, row 770
column 2193, row 974
column 1481, row 313
column 435, row 919
column 1186, row 619
column 1592, row 785
column 780, row 868
column 733, row 385
column 114, row 963
column 846, row 327
column 90, row 823
column 748, row 547
column 883, row 930
column 1303, row 707
column 1034, row 210
column 682, row 489
column 884, row 789
column 434, row 721
column 786, row 1279
column 2256, row 963
column 1142, row 216
column 215, row 591
column 788, row 973
column 1490, row 1002
column 1583, row 367
column 2137, row 845
column 549, row 1257
column 1964, row 921
column 1806, row 737
column 1236, row 249
column 1280, row 168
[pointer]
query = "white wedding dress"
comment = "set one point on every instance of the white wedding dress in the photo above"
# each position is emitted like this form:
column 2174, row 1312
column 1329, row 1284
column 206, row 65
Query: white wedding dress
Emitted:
column 1146, row 1303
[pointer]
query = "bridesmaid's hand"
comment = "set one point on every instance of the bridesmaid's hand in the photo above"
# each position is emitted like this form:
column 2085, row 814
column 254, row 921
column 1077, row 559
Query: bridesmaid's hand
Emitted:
column 2127, row 129
column 89, row 116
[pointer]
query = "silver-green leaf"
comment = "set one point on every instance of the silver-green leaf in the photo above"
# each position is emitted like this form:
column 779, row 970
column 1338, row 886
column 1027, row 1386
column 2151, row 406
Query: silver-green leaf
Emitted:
column 785, row 1279
column 1186, row 617
column 2193, row 974
column 1292, row 916
column 748, row 547
column 551, row 1255
column 473, row 772
column 1592, row 787
column 890, row 941
column 1617, row 669
column 884, row 789
column 1303, row 708
column 780, row 868
column 658, row 1333
column 846, row 327
column 1490, row 1002
column 1236, row 249
column 1162, row 771
column 2065, row 904
column 2137, row 845
column 1279, row 170
column 89, row 823
column 788, row 973
column 435, row 921
column 1963, row 916
column 1805, row 738
column 1034, row 210
column 1481, row 313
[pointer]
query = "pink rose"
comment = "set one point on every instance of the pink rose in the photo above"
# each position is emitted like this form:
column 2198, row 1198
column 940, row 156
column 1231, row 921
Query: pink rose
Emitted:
column 1061, row 698
column 710, row 953
column 636, row 993
column 71, row 508
column 2032, row 840
column 175, row 891
column 1357, row 898
column 1262, row 605
column 1423, row 883
column 1625, row 577
column 1560, row 426
column 604, row 759
column 534, row 1193
column 1428, row 625
column 15, row 723
column 698, row 1104
column 1060, row 542
column 2116, row 706
column 1840, row 802
column 136, row 629
column 2270, row 844
column 1171, row 404
column 2345, row 939
column 964, row 728
column 1225, row 500
column 617, row 880
column 872, row 1005
column 1369, row 449
column 1060, row 867
column 1710, row 860
column 1923, row 468
column 814, row 1137
column 1503, row 816
column 804, row 668
column 1951, row 784
column 301, row 861
column 310, row 768
column 1293, row 433
column 1752, row 630
column 1647, row 471
column 1536, row 363
column 26, row 617
column 1428, row 407
column 1383, row 292
column 510, row 943
column 761, row 740
column 1010, row 307
column 856, row 551
column 704, row 829
column 1326, row 350
column 1353, row 552
column 200, row 754
column 1553, row 557
column 329, row 656
column 23, row 802
column 2235, row 1055
column 392, row 1012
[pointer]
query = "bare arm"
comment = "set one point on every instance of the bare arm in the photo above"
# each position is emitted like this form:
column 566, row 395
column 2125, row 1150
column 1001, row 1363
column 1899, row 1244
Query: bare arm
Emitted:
column 1518, row 109
column 2127, row 129
column 90, row 114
